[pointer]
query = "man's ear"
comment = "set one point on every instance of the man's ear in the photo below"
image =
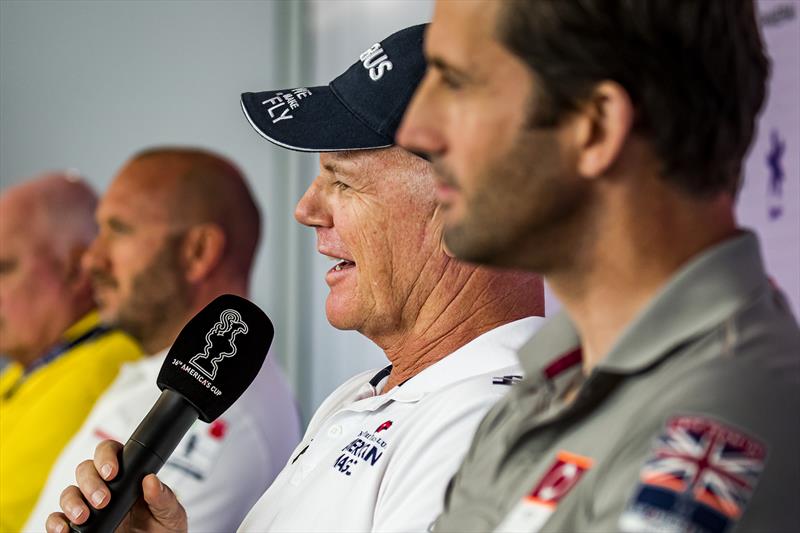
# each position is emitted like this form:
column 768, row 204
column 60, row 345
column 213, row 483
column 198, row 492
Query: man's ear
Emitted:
column 74, row 272
column 603, row 126
column 202, row 250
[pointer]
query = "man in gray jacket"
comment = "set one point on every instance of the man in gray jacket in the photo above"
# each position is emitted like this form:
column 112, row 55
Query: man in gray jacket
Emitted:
column 600, row 143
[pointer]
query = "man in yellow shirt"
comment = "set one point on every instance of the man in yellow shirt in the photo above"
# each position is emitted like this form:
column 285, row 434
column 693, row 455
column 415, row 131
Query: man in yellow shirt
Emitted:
column 62, row 357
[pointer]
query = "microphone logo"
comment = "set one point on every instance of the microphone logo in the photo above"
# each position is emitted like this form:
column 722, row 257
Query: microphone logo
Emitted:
column 220, row 342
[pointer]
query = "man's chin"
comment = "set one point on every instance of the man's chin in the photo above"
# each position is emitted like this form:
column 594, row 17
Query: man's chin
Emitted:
column 337, row 316
column 471, row 248
column 108, row 316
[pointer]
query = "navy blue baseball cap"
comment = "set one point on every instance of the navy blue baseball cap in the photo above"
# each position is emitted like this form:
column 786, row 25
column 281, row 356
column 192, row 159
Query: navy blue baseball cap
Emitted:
column 360, row 109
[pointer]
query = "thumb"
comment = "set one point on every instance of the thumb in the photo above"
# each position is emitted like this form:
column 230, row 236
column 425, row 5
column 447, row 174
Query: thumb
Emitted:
column 163, row 504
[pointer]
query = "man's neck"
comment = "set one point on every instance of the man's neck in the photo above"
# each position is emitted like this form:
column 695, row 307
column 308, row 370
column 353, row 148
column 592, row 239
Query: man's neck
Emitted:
column 637, row 248
column 466, row 303
column 59, row 325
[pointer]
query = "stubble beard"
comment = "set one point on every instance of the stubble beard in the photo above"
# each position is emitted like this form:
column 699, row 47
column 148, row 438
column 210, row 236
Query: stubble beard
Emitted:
column 158, row 303
column 521, row 212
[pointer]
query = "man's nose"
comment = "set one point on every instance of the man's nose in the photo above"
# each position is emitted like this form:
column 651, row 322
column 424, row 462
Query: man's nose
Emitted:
column 419, row 131
column 94, row 258
column 311, row 210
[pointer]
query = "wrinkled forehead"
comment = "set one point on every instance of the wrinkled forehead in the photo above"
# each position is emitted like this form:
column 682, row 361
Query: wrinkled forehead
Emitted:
column 392, row 168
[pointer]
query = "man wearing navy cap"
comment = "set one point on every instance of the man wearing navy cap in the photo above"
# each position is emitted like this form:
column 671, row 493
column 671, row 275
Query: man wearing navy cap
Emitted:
column 380, row 450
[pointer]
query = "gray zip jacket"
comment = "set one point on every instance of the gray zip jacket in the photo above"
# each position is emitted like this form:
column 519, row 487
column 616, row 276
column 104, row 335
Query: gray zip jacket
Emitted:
column 691, row 422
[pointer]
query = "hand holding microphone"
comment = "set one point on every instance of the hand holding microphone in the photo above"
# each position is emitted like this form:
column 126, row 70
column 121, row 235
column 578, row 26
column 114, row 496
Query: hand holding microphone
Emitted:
column 212, row 362
column 157, row 512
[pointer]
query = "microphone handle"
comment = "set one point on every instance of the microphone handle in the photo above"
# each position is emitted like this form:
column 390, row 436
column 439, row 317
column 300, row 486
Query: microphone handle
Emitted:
column 145, row 453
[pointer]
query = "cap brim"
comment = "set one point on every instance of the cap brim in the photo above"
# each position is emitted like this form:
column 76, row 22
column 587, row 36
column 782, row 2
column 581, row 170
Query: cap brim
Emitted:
column 318, row 122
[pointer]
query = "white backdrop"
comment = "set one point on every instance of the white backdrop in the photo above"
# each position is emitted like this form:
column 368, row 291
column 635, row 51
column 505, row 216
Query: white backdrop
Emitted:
column 770, row 198
column 85, row 84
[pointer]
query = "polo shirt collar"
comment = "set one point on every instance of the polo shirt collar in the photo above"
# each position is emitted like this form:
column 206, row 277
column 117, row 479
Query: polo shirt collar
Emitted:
column 85, row 324
column 494, row 350
column 705, row 292
column 552, row 355
column 85, row 329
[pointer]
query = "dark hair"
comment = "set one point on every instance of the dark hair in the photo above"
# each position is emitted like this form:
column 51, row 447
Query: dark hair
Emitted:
column 695, row 71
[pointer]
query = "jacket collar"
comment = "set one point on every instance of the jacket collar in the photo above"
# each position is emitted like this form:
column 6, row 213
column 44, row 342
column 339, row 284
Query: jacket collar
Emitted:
column 493, row 351
column 706, row 291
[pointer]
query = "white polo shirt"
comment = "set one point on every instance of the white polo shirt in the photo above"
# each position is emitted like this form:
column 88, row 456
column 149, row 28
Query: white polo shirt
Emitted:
column 218, row 470
column 381, row 462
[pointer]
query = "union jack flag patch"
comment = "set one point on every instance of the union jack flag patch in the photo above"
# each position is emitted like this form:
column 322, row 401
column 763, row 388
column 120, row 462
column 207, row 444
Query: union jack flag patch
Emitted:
column 698, row 477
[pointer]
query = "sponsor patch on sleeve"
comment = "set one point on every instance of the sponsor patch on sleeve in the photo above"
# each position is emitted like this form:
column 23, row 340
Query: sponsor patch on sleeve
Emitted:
column 698, row 477
column 531, row 513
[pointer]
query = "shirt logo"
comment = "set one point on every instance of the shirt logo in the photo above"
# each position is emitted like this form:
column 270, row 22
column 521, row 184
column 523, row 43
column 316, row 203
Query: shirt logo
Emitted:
column 535, row 509
column 367, row 448
column 102, row 435
column 385, row 425
column 199, row 450
column 506, row 380
column 217, row 429
column 220, row 343
column 699, row 476
column 376, row 61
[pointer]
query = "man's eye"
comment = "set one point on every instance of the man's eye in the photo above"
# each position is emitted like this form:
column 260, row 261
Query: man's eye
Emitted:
column 341, row 186
column 7, row 266
column 117, row 227
column 451, row 82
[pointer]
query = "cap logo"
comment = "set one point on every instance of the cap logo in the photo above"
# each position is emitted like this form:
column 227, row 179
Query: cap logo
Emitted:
column 221, row 336
column 375, row 61
column 282, row 104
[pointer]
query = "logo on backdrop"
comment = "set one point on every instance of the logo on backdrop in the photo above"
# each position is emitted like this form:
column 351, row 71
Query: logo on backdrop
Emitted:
column 778, row 15
column 220, row 343
column 774, row 160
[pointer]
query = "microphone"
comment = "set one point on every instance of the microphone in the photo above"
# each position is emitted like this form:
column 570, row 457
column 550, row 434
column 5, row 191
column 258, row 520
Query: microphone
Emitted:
column 212, row 362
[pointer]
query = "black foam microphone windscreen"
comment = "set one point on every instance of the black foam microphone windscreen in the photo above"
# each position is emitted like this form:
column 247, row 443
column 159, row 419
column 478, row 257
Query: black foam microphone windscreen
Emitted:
column 217, row 355
column 212, row 362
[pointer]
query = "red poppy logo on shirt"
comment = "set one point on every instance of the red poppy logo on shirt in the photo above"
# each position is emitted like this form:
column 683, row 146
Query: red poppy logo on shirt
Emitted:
column 385, row 425
column 218, row 428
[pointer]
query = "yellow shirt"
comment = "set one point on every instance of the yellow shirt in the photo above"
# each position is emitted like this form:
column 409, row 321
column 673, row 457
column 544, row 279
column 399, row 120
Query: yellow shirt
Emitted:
column 40, row 413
